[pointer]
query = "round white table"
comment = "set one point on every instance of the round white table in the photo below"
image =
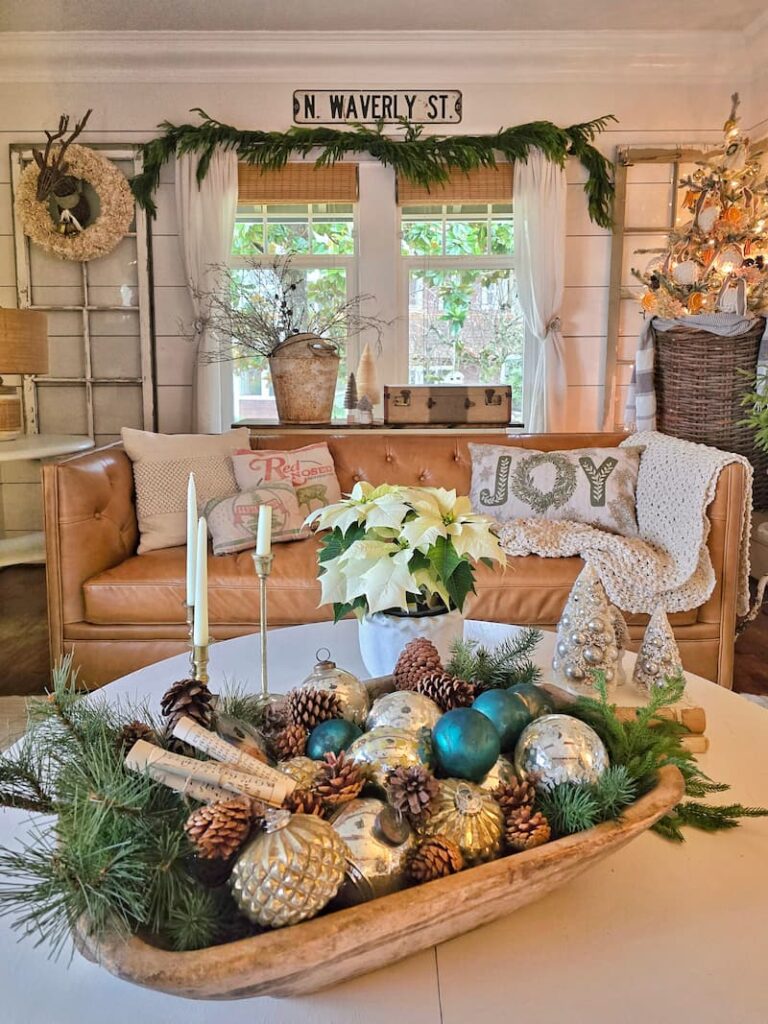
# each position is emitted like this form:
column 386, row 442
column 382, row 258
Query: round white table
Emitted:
column 656, row 933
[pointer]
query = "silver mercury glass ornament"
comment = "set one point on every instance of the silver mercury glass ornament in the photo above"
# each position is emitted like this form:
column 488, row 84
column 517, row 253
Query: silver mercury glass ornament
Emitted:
column 559, row 748
column 352, row 694
column 403, row 710
column 378, row 841
column 380, row 751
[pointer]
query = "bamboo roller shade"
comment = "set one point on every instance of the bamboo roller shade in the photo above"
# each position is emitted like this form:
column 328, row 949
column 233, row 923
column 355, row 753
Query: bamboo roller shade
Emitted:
column 298, row 183
column 482, row 185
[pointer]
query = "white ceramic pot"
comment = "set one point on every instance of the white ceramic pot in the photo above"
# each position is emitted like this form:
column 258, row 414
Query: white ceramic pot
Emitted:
column 382, row 637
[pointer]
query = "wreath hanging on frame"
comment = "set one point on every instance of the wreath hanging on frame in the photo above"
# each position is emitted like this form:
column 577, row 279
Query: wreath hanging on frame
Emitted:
column 77, row 208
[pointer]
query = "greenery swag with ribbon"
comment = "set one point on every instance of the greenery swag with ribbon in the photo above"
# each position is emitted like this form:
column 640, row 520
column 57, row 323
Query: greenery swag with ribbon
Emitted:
column 423, row 159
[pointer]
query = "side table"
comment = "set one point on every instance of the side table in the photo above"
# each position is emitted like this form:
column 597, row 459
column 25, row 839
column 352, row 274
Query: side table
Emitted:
column 29, row 548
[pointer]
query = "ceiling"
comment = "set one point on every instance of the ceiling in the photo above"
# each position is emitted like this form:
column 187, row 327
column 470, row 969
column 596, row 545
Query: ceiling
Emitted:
column 377, row 15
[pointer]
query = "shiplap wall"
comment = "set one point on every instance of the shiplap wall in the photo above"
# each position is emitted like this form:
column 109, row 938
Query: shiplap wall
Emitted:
column 126, row 112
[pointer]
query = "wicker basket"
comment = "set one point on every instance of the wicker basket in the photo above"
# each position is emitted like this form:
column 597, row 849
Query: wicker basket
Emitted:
column 699, row 385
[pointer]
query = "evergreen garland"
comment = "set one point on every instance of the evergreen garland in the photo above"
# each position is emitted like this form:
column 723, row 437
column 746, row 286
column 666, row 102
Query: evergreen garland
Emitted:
column 506, row 665
column 423, row 159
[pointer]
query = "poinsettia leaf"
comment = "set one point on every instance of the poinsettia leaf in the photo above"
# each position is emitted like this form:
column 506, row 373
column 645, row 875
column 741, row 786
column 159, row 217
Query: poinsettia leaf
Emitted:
column 340, row 611
column 336, row 542
column 418, row 561
column 443, row 559
column 460, row 583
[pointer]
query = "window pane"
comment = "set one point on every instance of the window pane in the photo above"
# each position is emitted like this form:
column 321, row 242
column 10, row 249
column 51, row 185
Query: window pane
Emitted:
column 457, row 230
column 465, row 326
column 332, row 237
column 248, row 238
column 289, row 235
column 502, row 237
column 321, row 290
column 466, row 238
column 422, row 238
column 326, row 229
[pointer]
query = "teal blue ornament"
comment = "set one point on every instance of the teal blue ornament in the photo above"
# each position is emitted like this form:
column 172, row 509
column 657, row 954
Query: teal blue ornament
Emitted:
column 466, row 744
column 535, row 699
column 331, row 737
column 508, row 713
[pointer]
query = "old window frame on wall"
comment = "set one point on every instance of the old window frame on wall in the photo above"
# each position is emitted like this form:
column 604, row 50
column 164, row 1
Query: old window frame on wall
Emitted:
column 21, row 156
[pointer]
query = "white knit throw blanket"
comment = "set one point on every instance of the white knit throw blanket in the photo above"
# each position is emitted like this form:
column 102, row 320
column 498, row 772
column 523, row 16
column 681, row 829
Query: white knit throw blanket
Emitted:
column 669, row 563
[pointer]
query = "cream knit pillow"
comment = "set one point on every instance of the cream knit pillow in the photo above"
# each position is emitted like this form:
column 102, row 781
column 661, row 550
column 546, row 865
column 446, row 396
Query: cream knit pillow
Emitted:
column 161, row 467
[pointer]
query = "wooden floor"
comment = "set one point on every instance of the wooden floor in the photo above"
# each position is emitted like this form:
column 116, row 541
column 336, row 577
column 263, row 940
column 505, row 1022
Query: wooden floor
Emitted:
column 24, row 640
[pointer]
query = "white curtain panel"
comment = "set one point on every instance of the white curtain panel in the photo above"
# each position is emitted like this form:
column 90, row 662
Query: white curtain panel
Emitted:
column 206, row 218
column 539, row 205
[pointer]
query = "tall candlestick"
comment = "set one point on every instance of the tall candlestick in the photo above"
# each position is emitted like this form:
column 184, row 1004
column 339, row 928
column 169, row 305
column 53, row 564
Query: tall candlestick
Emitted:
column 191, row 538
column 264, row 533
column 263, row 565
column 200, row 633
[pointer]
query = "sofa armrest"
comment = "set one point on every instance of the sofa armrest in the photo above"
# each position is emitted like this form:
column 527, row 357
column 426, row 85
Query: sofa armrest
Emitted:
column 726, row 517
column 90, row 526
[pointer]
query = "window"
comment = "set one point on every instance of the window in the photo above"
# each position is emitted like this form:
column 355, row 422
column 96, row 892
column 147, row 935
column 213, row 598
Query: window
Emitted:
column 464, row 323
column 322, row 237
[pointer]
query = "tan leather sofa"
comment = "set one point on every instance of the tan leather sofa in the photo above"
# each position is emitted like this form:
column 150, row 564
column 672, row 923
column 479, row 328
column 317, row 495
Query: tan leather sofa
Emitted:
column 120, row 610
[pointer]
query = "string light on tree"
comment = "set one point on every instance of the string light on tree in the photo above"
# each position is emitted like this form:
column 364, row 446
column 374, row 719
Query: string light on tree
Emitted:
column 716, row 260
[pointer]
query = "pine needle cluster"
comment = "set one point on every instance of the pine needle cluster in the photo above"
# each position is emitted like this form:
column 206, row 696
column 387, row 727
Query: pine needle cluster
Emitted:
column 111, row 848
column 506, row 665
column 641, row 747
column 573, row 808
column 423, row 159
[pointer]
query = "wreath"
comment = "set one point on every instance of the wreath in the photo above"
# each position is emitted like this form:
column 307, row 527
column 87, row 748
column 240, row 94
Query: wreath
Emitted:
column 524, row 487
column 111, row 202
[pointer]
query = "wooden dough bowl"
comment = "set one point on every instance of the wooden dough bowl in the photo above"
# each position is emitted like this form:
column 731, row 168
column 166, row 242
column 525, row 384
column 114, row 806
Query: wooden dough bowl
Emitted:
column 313, row 955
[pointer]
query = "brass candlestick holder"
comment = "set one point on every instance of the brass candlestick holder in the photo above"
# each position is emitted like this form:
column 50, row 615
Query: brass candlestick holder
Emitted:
column 263, row 564
column 200, row 663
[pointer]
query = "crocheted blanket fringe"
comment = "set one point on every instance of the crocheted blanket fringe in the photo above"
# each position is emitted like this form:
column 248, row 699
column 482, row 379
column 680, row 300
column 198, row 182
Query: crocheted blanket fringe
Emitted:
column 668, row 564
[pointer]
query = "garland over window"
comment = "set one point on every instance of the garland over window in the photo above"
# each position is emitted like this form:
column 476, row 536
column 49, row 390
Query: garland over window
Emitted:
column 423, row 159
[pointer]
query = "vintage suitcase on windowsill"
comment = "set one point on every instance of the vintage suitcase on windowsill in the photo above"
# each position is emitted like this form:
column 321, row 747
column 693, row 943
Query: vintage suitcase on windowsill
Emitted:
column 448, row 404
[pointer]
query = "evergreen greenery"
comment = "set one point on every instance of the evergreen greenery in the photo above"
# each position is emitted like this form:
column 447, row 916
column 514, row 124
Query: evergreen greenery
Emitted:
column 641, row 747
column 424, row 159
column 504, row 666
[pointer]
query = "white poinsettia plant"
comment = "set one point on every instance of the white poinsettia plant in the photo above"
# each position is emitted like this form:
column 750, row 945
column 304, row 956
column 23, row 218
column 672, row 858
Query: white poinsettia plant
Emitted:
column 401, row 549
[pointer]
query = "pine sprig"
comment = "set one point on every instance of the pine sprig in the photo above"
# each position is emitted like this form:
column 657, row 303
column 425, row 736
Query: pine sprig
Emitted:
column 423, row 159
column 504, row 666
column 706, row 817
column 569, row 808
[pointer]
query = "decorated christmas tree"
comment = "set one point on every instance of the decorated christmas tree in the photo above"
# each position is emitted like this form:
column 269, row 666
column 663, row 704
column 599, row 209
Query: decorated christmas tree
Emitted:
column 716, row 260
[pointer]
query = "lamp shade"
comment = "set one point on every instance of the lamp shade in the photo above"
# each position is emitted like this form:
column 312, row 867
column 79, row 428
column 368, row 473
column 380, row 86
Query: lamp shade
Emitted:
column 23, row 341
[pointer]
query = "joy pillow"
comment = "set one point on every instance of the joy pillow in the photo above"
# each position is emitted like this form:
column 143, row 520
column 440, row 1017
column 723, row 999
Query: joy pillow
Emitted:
column 587, row 485
column 310, row 470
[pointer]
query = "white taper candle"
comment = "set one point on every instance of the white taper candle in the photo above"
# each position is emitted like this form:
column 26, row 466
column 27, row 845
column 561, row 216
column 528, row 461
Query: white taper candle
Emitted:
column 264, row 534
column 200, row 634
column 191, row 538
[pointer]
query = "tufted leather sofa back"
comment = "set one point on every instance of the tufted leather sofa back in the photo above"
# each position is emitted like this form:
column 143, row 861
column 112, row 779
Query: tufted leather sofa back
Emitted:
column 422, row 460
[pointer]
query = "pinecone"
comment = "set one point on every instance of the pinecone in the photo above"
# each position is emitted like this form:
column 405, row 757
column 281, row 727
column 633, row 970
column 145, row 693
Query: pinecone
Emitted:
column 447, row 691
column 310, row 707
column 133, row 732
column 276, row 717
column 304, row 801
column 187, row 697
column 513, row 795
column 526, row 829
column 412, row 790
column 338, row 781
column 433, row 858
column 218, row 830
column 419, row 658
column 290, row 742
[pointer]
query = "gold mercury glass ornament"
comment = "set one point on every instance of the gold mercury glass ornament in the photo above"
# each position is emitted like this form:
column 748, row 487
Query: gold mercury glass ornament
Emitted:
column 378, row 840
column 502, row 774
column 290, row 871
column 403, row 709
column 303, row 770
column 352, row 694
column 380, row 751
column 470, row 817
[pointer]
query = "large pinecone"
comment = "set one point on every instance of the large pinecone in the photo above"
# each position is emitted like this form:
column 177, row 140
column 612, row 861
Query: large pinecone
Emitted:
column 418, row 659
column 411, row 790
column 305, row 801
column 310, row 707
column 276, row 716
column 434, row 857
column 514, row 795
column 133, row 732
column 447, row 691
column 219, row 830
column 290, row 742
column 526, row 829
column 338, row 781
column 187, row 697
